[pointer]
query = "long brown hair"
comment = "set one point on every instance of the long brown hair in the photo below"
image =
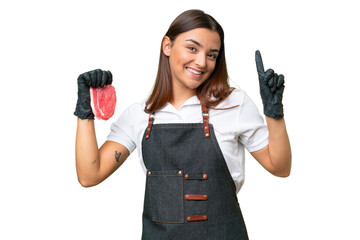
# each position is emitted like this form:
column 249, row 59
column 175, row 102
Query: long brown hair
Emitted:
column 217, row 86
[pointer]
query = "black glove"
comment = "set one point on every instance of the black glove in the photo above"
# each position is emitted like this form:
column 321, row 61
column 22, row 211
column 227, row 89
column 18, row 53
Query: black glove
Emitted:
column 95, row 78
column 271, row 89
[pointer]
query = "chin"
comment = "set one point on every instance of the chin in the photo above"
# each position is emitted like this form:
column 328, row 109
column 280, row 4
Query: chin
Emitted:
column 193, row 86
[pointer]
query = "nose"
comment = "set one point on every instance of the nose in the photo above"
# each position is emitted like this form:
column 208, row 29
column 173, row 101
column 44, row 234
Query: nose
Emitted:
column 200, row 60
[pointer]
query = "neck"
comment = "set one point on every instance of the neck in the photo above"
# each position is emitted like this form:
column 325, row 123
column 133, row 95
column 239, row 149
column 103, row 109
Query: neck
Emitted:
column 180, row 95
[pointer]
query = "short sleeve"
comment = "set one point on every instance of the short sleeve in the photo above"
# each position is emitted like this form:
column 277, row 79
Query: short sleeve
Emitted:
column 253, row 132
column 122, row 130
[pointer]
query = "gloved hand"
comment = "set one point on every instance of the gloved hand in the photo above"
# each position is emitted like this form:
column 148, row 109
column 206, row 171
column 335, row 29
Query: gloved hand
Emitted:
column 95, row 78
column 271, row 89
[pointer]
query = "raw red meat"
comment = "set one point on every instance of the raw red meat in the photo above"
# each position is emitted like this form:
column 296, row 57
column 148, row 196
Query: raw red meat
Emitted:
column 103, row 102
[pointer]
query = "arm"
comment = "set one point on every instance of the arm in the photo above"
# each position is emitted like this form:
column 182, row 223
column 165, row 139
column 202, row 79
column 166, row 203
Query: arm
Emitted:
column 94, row 165
column 276, row 157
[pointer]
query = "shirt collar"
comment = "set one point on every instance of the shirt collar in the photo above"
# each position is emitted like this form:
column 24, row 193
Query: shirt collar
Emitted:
column 170, row 108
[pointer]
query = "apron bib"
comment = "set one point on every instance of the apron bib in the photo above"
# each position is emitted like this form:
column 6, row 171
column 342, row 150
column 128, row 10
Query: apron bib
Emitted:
column 189, row 192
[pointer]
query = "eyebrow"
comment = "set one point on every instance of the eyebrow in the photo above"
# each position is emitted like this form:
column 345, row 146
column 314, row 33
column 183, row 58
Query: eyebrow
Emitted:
column 197, row 43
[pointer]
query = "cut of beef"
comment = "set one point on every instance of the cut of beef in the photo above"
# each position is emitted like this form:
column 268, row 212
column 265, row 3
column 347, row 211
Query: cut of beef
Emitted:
column 103, row 101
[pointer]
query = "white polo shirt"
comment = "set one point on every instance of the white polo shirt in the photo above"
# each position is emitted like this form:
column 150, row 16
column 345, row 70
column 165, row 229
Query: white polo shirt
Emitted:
column 235, row 129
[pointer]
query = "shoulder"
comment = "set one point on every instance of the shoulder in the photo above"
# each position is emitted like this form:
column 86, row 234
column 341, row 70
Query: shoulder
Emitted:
column 237, row 98
column 238, row 107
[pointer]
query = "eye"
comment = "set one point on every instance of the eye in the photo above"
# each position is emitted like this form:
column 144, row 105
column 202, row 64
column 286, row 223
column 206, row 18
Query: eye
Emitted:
column 212, row 56
column 193, row 49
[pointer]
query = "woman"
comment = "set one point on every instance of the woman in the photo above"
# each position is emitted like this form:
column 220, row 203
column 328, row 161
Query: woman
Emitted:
column 191, row 134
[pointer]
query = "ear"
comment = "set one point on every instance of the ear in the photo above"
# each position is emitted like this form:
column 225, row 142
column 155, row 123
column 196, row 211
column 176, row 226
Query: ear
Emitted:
column 166, row 45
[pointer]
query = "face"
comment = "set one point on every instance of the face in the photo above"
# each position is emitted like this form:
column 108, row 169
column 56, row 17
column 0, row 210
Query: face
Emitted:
column 192, row 57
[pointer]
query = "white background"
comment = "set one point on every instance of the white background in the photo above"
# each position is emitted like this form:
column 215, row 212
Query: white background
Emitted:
column 45, row 45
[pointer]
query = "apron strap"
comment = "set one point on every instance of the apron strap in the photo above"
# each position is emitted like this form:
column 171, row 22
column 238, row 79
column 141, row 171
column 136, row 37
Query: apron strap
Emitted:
column 148, row 129
column 205, row 112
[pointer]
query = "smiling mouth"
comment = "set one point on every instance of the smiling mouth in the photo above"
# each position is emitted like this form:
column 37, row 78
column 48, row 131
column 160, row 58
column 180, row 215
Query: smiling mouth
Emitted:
column 194, row 71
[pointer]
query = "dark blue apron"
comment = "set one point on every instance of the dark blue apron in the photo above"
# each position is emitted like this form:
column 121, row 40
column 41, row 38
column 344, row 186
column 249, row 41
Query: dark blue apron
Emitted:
column 189, row 193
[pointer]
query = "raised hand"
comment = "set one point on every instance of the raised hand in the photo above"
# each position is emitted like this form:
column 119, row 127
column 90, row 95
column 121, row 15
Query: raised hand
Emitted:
column 95, row 78
column 271, row 89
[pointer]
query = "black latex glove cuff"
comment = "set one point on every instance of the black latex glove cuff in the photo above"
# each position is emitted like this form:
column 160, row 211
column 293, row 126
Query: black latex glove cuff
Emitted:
column 83, row 106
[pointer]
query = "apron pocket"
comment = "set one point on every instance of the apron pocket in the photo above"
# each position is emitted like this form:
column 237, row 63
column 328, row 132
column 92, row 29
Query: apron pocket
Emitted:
column 165, row 189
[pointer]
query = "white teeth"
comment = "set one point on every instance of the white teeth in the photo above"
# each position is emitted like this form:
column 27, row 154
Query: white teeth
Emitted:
column 193, row 71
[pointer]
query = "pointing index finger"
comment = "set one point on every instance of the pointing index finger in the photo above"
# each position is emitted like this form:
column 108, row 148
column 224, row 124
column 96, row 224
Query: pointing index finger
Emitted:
column 259, row 64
